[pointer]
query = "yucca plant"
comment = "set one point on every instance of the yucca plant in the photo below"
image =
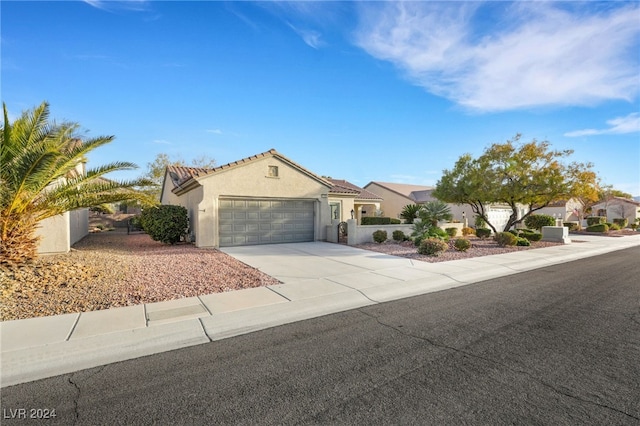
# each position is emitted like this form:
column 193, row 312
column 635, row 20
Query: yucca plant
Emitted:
column 410, row 212
column 434, row 212
column 41, row 177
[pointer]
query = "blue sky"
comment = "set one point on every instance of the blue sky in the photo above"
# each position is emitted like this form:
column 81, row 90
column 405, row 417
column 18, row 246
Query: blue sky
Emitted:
column 362, row 91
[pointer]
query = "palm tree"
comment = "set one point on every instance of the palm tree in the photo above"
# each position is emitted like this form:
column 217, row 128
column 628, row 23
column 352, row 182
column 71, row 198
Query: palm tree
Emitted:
column 435, row 211
column 41, row 176
column 410, row 212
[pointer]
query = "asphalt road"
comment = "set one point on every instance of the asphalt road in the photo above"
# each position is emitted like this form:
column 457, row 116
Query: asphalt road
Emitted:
column 559, row 345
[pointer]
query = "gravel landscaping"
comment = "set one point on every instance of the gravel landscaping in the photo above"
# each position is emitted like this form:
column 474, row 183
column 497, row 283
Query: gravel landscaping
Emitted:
column 112, row 269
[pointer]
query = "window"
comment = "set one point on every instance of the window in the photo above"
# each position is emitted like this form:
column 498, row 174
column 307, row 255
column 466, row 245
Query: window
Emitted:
column 273, row 171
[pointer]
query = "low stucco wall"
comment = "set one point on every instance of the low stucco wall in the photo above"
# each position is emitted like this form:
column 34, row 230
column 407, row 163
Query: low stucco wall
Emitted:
column 54, row 234
column 78, row 225
column 361, row 234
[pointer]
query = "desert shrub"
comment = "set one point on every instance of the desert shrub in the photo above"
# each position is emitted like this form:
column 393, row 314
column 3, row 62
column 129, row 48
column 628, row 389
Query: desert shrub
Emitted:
column 165, row 223
column 451, row 232
column 601, row 227
column 479, row 222
column 375, row 220
column 505, row 239
column 468, row 231
column 514, row 232
column 614, row 227
column 532, row 236
column 571, row 225
column 520, row 241
column 621, row 222
column 436, row 232
column 398, row 235
column 380, row 236
column 596, row 220
column 432, row 246
column 483, row 233
column 537, row 221
column 462, row 244
column 418, row 239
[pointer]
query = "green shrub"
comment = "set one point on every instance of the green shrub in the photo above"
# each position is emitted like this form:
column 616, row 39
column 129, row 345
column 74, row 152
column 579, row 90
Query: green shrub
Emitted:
column 621, row 222
column 537, row 221
column 571, row 225
column 418, row 239
column 514, row 232
column 614, row 227
column 505, row 239
column 165, row 223
column 483, row 233
column 398, row 235
column 375, row 220
column 601, row 227
column 432, row 246
column 395, row 221
column 468, row 231
column 461, row 244
column 410, row 212
column 380, row 236
column 596, row 220
column 436, row 232
column 479, row 222
column 522, row 242
column 532, row 236
column 451, row 232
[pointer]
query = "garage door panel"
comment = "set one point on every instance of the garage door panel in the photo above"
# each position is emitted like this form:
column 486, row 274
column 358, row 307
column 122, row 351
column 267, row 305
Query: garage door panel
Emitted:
column 245, row 222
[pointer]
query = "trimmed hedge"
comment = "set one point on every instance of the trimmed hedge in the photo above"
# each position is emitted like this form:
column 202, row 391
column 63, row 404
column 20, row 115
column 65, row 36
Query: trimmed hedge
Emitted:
column 601, row 227
column 621, row 222
column 432, row 247
column 451, row 231
column 398, row 235
column 505, row 239
column 596, row 220
column 537, row 221
column 380, row 236
column 483, row 233
column 571, row 225
column 532, row 236
column 462, row 244
column 523, row 242
column 375, row 220
column 468, row 231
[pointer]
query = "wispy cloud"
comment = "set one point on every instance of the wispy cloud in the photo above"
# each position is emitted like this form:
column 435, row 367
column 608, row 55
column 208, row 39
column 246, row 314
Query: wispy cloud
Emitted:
column 162, row 142
column 617, row 126
column 113, row 5
column 497, row 56
column 310, row 37
column 214, row 131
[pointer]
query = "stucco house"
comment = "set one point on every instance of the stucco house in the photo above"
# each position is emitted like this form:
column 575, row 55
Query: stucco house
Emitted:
column 617, row 208
column 397, row 195
column 564, row 209
column 58, row 233
column 348, row 201
column 263, row 199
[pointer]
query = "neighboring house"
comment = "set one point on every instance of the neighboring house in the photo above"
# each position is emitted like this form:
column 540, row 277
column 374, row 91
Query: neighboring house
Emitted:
column 397, row 195
column 617, row 208
column 347, row 201
column 567, row 210
column 262, row 199
column 58, row 233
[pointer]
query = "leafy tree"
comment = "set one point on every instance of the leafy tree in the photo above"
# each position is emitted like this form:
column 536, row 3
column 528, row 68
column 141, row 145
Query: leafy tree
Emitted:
column 410, row 212
column 513, row 174
column 157, row 169
column 41, row 177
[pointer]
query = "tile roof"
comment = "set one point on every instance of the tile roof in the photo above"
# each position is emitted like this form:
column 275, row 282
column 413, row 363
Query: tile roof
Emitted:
column 341, row 186
column 185, row 174
column 417, row 193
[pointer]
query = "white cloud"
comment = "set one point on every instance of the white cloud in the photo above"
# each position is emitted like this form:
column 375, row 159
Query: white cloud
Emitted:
column 503, row 56
column 214, row 131
column 617, row 126
column 310, row 37
column 162, row 142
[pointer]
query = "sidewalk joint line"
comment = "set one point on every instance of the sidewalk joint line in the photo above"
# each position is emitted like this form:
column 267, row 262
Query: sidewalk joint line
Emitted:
column 73, row 327
column 205, row 306
column 281, row 295
column 204, row 330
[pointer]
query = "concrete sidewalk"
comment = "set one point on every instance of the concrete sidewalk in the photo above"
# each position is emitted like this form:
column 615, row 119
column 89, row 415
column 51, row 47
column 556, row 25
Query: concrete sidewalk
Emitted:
column 317, row 279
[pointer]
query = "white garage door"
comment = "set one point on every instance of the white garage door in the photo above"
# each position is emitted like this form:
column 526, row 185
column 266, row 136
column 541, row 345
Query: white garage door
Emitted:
column 250, row 221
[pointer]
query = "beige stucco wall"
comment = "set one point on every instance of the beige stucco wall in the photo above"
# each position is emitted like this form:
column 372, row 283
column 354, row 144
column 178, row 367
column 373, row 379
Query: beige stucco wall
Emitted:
column 392, row 203
column 249, row 180
column 617, row 209
column 54, row 233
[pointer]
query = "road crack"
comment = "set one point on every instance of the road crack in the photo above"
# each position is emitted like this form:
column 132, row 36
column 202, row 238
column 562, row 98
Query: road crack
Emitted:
column 493, row 361
column 76, row 413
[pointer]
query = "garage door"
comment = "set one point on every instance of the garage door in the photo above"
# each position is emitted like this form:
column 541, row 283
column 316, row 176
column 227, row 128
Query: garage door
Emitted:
column 248, row 222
